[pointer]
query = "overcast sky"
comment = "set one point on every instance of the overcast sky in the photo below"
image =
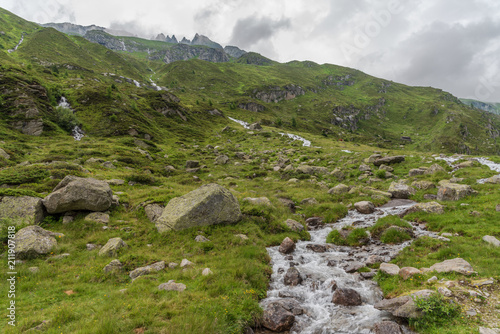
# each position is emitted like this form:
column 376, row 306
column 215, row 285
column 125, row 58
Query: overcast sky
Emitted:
column 448, row 44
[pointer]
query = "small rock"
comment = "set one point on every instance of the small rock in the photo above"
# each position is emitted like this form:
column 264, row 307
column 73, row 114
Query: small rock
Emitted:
column 445, row 292
column 201, row 238
column 484, row 330
column 309, row 201
column 258, row 201
column 292, row 277
column 346, row 297
column 206, row 272
column 316, row 248
column 458, row 265
column 34, row 270
column 241, row 236
column 432, row 279
column 387, row 327
column 364, row 207
column 186, row 263
column 389, row 269
column 112, row 246
column 294, row 225
column 407, row 272
column 152, row 268
column 491, row 240
column 353, row 267
column 471, row 312
column 287, row 246
column 172, row 265
column 172, row 286
column 114, row 265
column 277, row 318
column 97, row 217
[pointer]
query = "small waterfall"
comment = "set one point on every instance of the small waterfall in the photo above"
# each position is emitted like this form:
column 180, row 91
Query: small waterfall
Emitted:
column 20, row 41
column 483, row 161
column 77, row 132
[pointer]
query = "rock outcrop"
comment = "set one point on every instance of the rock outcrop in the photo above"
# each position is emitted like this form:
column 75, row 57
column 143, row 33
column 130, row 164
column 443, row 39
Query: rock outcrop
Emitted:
column 76, row 193
column 208, row 205
column 276, row 94
column 24, row 209
column 33, row 241
column 453, row 192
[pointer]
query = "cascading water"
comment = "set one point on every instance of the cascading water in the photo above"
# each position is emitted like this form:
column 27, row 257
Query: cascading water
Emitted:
column 77, row 132
column 305, row 142
column 19, row 43
column 483, row 161
column 322, row 270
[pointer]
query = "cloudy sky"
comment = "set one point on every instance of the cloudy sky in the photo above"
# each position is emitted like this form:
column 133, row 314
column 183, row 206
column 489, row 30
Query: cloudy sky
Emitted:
column 448, row 44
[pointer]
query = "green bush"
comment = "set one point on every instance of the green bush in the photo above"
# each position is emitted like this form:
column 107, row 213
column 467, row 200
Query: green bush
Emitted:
column 334, row 237
column 65, row 118
column 436, row 311
column 394, row 235
column 384, row 223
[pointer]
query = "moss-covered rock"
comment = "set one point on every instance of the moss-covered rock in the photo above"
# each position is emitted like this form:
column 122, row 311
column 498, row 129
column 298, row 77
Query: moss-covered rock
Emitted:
column 33, row 241
column 208, row 205
column 24, row 209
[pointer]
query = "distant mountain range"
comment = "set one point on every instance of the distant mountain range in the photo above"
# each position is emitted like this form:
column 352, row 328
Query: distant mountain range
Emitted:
column 492, row 107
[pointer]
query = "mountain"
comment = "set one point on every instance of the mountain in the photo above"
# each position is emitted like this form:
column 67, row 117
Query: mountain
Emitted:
column 486, row 106
column 72, row 29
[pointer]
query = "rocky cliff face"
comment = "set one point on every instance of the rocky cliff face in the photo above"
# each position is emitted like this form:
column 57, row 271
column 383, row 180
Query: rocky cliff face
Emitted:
column 276, row 94
column 205, row 41
column 234, row 51
column 72, row 29
column 106, row 40
column 185, row 52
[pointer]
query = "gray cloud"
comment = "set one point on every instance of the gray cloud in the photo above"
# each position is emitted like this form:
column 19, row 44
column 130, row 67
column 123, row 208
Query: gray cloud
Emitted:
column 251, row 30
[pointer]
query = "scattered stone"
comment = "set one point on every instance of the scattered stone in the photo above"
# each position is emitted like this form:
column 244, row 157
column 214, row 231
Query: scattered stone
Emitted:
column 423, row 185
column 57, row 257
column 208, row 205
column 4, row 154
column 353, row 267
column 114, row 265
column 112, row 246
column 292, row 277
column 389, row 160
column 152, row 268
column 91, row 247
column 346, row 297
column 153, row 211
column 287, row 246
column 445, row 292
column 453, row 192
column 207, row 272
column 115, row 182
column 186, row 263
column 294, row 225
column 483, row 282
column 364, row 207
column 309, row 201
column 387, row 327
column 401, row 190
column 258, row 201
column 201, row 238
column 404, row 306
column 491, row 240
column 416, row 171
column 408, row 272
column 430, row 207
column 466, row 164
column 76, row 193
column 458, row 265
column 221, row 159
column 33, row 241
column 389, row 269
column 277, row 318
column 386, row 168
column 241, row 236
column 314, row 222
column 364, row 168
column 172, row 286
column 34, row 270
column 484, row 330
column 172, row 265
column 434, row 169
column 339, row 189
column 494, row 179
column 192, row 164
column 471, row 312
column 432, row 279
column 97, row 217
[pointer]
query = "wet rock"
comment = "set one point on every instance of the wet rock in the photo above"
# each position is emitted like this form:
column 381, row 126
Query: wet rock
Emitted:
column 112, row 247
column 491, row 240
column 387, row 327
column 113, row 266
column 292, row 277
column 458, row 265
column 316, row 248
column 365, row 207
column 401, row 190
column 346, row 297
column 277, row 318
column 407, row 272
column 314, row 222
column 353, row 267
column 152, row 268
column 172, row 286
column 76, row 193
column 287, row 246
column 339, row 189
column 208, row 205
column 453, row 192
column 389, row 160
column 368, row 275
column 258, row 201
column 294, row 225
column 389, row 269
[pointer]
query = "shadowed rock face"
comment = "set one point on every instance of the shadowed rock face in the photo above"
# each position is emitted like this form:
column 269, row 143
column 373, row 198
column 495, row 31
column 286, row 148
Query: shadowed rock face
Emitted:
column 76, row 193
column 208, row 205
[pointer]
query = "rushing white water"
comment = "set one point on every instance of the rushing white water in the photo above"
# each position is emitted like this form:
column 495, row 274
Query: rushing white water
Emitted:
column 77, row 132
column 483, row 161
column 15, row 48
column 320, row 270
column 158, row 88
column 305, row 142
column 136, row 83
column 346, row 151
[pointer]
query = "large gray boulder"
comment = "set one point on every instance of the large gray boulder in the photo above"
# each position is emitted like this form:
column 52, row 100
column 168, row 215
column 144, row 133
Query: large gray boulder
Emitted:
column 364, row 207
column 25, row 209
column 277, row 318
column 77, row 193
column 112, row 246
column 389, row 160
column 404, row 306
column 346, row 297
column 453, row 192
column 33, row 241
column 387, row 327
column 458, row 265
column 208, row 205
column 401, row 190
